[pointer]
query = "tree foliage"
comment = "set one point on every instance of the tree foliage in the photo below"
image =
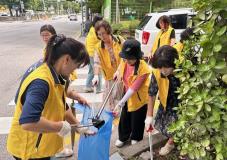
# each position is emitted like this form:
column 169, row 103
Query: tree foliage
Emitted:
column 95, row 5
column 201, row 130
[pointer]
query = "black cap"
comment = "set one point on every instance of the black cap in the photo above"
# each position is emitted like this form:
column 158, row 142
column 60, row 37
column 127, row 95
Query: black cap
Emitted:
column 131, row 50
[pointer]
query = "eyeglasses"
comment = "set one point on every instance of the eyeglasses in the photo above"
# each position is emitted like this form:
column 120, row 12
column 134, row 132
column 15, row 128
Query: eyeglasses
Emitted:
column 45, row 35
column 100, row 34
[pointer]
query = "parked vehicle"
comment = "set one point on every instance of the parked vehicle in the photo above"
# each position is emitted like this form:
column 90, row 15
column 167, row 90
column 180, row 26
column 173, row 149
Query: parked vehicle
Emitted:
column 72, row 17
column 4, row 14
column 30, row 12
column 147, row 30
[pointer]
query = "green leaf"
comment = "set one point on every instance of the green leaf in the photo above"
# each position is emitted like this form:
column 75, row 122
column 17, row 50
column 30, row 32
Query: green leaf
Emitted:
column 224, row 78
column 209, row 85
column 197, row 30
column 199, row 106
column 207, row 75
column 191, row 155
column 218, row 147
column 203, row 67
column 197, row 154
column 198, row 118
column 224, row 117
column 202, row 16
column 220, row 65
column 197, row 97
column 186, row 89
column 219, row 156
column 221, row 71
column 205, row 142
column 221, row 31
column 183, row 152
column 207, row 107
column 217, row 48
column 225, row 125
column 188, row 64
column 202, row 152
column 216, row 114
column 212, row 61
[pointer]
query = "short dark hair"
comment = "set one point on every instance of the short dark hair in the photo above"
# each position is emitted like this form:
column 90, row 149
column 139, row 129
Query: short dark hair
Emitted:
column 96, row 19
column 49, row 28
column 185, row 35
column 165, row 19
column 59, row 45
column 103, row 24
column 164, row 57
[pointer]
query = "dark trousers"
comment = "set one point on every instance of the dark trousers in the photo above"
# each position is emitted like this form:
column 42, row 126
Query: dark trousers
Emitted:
column 47, row 158
column 132, row 124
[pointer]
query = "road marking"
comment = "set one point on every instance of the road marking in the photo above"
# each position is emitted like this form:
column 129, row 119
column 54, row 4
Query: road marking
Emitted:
column 5, row 124
column 82, row 82
column 82, row 70
column 12, row 103
column 91, row 97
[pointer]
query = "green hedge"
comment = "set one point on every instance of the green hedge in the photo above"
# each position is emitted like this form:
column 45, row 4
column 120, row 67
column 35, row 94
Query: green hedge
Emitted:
column 125, row 28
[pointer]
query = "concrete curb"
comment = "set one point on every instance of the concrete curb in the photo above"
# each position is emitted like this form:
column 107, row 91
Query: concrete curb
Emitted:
column 132, row 151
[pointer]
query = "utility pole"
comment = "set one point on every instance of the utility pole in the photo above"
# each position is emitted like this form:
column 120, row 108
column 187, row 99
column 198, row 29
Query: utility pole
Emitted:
column 82, row 17
column 22, row 7
column 58, row 7
column 150, row 7
column 117, row 11
column 44, row 7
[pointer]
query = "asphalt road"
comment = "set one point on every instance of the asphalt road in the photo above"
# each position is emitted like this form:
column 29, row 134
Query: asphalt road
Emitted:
column 21, row 46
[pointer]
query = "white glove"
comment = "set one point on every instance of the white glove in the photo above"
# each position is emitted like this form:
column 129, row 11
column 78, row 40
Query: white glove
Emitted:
column 84, row 130
column 66, row 128
column 95, row 80
column 117, row 110
column 116, row 75
column 149, row 123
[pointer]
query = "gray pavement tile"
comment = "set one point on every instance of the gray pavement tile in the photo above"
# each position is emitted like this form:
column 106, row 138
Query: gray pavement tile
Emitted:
column 116, row 156
column 4, row 155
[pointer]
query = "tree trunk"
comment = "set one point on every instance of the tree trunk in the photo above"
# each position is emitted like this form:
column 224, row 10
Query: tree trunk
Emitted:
column 10, row 10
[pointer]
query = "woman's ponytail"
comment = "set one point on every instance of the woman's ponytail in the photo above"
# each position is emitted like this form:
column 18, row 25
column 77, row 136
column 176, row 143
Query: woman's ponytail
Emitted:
column 59, row 45
column 53, row 43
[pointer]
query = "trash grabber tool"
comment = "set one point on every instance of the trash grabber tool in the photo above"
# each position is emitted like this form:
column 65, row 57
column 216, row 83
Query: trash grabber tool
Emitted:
column 72, row 132
column 96, row 120
column 150, row 130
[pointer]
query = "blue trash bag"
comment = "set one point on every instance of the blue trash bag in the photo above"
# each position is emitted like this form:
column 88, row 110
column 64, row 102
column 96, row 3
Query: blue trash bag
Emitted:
column 95, row 147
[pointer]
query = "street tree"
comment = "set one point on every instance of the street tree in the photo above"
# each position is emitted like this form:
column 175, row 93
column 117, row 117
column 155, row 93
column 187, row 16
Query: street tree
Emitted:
column 10, row 4
column 34, row 5
column 95, row 5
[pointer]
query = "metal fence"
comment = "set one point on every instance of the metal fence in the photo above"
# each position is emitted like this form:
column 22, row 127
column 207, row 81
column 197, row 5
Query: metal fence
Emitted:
column 137, row 10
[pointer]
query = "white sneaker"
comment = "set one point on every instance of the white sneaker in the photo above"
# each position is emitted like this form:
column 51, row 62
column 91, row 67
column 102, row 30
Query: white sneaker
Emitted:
column 166, row 149
column 66, row 152
column 133, row 142
column 88, row 89
column 99, row 91
column 119, row 143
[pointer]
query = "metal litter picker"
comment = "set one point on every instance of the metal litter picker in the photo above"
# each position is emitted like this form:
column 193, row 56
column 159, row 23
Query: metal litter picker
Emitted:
column 150, row 141
column 96, row 121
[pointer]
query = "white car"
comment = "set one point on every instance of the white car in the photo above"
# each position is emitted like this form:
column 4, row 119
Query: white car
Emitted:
column 4, row 14
column 72, row 17
column 147, row 30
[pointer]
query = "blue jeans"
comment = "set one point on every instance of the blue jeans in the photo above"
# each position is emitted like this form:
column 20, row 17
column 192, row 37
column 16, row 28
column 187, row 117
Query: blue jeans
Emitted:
column 90, row 76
